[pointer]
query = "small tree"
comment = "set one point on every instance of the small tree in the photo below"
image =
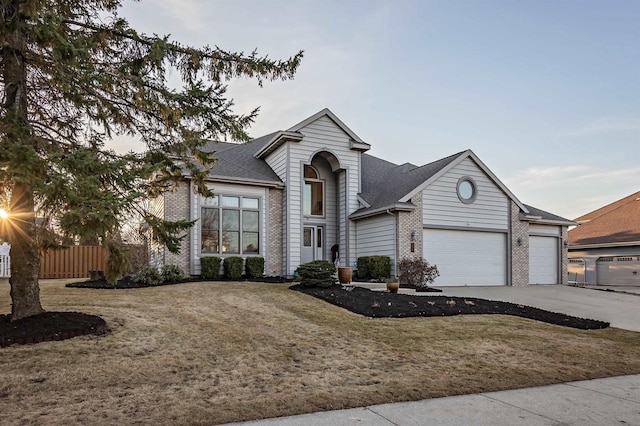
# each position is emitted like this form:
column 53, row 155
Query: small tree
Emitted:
column 317, row 273
column 416, row 272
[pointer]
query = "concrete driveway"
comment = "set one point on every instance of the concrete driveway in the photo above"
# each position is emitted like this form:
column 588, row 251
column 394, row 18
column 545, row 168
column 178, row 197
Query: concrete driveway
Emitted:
column 622, row 310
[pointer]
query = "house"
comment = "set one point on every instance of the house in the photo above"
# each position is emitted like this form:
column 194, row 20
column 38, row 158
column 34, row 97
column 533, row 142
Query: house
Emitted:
column 312, row 192
column 605, row 246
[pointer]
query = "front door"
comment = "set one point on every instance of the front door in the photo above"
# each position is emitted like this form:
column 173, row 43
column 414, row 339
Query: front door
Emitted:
column 312, row 243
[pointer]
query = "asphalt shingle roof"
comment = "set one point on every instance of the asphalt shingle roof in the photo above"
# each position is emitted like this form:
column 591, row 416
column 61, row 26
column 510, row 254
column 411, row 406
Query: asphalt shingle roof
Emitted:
column 618, row 222
column 384, row 183
column 545, row 215
column 236, row 160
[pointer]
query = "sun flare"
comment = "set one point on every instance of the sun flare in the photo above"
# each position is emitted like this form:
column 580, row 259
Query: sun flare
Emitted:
column 3, row 214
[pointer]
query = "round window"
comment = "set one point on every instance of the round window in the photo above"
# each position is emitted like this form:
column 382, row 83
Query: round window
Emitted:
column 466, row 190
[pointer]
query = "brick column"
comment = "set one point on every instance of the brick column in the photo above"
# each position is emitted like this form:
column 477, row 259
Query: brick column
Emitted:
column 176, row 207
column 408, row 222
column 274, row 263
column 519, row 252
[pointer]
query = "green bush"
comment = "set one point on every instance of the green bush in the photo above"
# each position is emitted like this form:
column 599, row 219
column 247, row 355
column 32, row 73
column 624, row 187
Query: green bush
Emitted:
column 416, row 272
column 374, row 268
column 210, row 267
column 254, row 267
column 148, row 275
column 317, row 273
column 232, row 267
column 171, row 274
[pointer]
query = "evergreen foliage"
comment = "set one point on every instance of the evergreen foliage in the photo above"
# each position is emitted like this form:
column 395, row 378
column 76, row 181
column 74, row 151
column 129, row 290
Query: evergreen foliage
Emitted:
column 374, row 268
column 233, row 267
column 210, row 267
column 148, row 276
column 318, row 273
column 171, row 274
column 73, row 75
column 254, row 267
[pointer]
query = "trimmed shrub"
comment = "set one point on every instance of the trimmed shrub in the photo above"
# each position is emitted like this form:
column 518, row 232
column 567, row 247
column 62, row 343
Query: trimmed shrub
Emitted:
column 148, row 276
column 254, row 267
column 233, row 267
column 210, row 267
column 317, row 273
column 374, row 268
column 416, row 272
column 171, row 274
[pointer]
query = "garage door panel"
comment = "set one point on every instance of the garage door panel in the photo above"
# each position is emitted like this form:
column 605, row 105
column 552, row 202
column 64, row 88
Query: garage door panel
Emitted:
column 620, row 270
column 543, row 260
column 466, row 257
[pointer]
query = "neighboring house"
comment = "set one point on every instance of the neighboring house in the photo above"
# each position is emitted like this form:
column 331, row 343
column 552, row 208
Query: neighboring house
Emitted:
column 605, row 246
column 294, row 195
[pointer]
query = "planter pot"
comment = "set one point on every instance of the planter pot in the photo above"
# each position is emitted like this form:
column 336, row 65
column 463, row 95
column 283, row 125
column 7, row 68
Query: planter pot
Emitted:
column 393, row 286
column 345, row 274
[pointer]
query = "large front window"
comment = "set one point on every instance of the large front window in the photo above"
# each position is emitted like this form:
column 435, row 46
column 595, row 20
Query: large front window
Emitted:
column 313, row 196
column 231, row 225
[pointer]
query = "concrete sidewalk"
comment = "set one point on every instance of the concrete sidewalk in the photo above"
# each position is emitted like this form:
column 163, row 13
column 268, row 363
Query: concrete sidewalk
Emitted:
column 610, row 401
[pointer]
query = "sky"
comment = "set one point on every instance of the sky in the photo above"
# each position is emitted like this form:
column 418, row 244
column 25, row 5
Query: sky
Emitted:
column 546, row 93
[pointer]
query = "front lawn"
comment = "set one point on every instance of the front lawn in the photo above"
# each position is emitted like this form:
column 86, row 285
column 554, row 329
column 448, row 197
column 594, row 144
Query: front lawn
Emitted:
column 207, row 353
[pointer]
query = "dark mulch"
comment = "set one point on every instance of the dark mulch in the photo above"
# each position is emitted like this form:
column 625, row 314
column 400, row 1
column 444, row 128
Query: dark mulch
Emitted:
column 128, row 282
column 123, row 283
column 387, row 305
column 49, row 326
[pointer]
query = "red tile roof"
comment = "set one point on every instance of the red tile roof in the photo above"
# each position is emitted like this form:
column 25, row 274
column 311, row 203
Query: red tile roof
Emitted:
column 618, row 222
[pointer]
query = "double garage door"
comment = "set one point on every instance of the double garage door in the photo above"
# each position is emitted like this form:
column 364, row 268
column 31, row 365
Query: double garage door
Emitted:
column 471, row 258
column 466, row 257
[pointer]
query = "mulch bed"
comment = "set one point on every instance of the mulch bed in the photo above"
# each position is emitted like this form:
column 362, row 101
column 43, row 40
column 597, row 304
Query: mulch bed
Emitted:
column 377, row 304
column 49, row 326
column 127, row 282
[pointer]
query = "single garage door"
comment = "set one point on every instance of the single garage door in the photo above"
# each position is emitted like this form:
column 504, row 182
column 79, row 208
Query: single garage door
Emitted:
column 466, row 257
column 619, row 270
column 543, row 260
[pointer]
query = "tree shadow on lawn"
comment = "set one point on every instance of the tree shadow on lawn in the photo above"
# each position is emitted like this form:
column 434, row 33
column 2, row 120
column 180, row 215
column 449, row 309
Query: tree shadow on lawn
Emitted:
column 378, row 304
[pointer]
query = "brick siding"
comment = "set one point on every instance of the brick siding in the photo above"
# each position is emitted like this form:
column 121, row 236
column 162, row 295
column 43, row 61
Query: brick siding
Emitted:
column 275, row 241
column 408, row 222
column 176, row 207
column 519, row 253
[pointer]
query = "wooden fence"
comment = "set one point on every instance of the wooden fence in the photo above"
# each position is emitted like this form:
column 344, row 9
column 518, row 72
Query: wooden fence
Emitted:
column 72, row 262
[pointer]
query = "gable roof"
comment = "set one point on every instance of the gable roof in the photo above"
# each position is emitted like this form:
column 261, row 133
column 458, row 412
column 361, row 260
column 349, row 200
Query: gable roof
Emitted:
column 387, row 185
column 617, row 223
column 356, row 142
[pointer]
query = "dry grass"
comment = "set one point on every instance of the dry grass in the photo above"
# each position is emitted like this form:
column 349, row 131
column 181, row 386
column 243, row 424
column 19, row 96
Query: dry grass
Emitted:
column 208, row 353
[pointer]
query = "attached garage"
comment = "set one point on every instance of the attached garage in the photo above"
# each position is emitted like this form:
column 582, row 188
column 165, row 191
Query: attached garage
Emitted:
column 618, row 270
column 470, row 258
column 543, row 260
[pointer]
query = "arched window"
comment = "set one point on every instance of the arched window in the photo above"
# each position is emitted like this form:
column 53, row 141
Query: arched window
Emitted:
column 313, row 196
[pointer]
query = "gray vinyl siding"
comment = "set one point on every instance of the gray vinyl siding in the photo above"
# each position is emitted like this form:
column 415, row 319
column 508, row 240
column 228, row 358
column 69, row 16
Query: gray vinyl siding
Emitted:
column 320, row 135
column 441, row 206
column 277, row 160
column 342, row 224
column 376, row 236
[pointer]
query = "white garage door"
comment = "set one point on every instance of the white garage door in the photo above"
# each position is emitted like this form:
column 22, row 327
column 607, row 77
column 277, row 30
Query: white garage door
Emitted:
column 620, row 270
column 466, row 257
column 543, row 260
